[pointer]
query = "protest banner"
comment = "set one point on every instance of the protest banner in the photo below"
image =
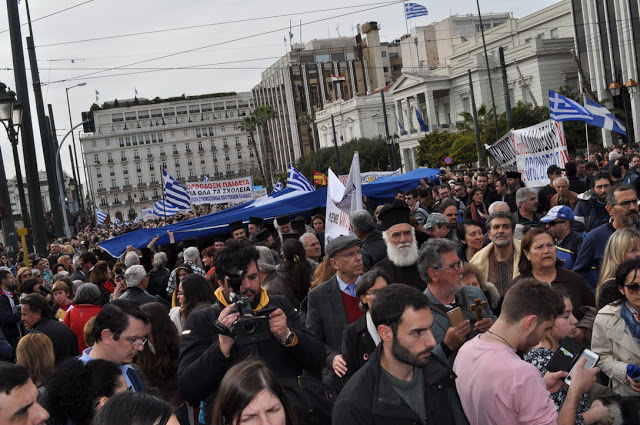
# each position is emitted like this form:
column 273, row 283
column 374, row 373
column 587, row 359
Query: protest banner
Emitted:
column 342, row 201
column 532, row 150
column 259, row 192
column 237, row 191
column 147, row 214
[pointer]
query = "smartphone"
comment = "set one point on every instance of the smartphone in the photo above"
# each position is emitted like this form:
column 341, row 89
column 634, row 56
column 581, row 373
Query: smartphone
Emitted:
column 455, row 316
column 592, row 359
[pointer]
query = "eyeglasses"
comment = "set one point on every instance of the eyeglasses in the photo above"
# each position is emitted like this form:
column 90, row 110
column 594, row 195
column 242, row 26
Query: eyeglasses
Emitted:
column 351, row 254
column 633, row 288
column 455, row 266
column 553, row 223
column 136, row 344
column 374, row 292
column 627, row 204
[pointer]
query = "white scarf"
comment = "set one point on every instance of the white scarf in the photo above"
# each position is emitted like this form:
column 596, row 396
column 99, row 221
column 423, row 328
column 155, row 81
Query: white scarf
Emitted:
column 372, row 329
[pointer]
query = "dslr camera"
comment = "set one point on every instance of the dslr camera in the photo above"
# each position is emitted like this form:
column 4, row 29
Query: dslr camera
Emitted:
column 250, row 327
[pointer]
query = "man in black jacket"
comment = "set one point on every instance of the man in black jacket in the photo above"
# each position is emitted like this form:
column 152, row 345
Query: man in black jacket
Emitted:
column 403, row 382
column 208, row 349
column 37, row 317
column 137, row 283
column 10, row 324
column 373, row 247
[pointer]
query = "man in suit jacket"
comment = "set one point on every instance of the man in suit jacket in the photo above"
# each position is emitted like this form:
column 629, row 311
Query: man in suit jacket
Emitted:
column 441, row 268
column 87, row 261
column 333, row 305
column 10, row 323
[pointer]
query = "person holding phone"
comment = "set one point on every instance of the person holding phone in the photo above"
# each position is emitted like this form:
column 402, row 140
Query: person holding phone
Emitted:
column 616, row 331
column 539, row 356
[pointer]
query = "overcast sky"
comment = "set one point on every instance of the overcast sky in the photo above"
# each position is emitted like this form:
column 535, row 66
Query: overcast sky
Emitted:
column 233, row 42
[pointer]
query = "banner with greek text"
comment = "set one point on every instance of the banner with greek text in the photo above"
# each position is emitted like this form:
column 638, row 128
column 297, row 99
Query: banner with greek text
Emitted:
column 533, row 150
column 235, row 191
column 337, row 221
column 147, row 214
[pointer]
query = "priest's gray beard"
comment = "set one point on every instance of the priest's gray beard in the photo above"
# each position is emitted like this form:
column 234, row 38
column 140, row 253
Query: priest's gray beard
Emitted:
column 404, row 254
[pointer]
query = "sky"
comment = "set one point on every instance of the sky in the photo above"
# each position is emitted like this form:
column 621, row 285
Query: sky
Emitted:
column 166, row 48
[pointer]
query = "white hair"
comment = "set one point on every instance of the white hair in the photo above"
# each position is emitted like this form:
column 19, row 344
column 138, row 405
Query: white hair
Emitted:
column 191, row 254
column 405, row 255
column 134, row 275
column 496, row 204
column 131, row 259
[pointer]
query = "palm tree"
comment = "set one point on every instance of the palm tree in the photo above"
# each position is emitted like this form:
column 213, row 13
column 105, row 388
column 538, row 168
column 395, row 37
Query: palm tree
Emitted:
column 262, row 114
column 249, row 124
column 485, row 118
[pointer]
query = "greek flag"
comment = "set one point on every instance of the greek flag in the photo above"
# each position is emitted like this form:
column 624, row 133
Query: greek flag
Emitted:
column 297, row 181
column 97, row 96
column 100, row 217
column 164, row 209
column 278, row 187
column 563, row 109
column 413, row 10
column 174, row 193
column 603, row 118
column 118, row 222
column 205, row 178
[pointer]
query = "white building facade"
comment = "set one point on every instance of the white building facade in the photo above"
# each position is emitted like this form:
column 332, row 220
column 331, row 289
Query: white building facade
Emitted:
column 537, row 55
column 191, row 137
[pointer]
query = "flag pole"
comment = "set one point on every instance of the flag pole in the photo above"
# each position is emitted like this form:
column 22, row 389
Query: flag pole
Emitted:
column 164, row 201
column 406, row 24
column 586, row 128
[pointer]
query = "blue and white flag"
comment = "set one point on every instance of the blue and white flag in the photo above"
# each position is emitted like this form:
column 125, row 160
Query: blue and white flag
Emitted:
column 174, row 193
column 164, row 209
column 205, row 178
column 118, row 222
column 137, row 220
column 603, row 118
column 136, row 90
column 278, row 187
column 402, row 130
column 413, row 10
column 423, row 126
column 100, row 217
column 297, row 181
column 97, row 96
column 564, row 109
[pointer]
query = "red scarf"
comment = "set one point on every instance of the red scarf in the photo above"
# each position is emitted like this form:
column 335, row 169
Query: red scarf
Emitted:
column 474, row 212
column 108, row 286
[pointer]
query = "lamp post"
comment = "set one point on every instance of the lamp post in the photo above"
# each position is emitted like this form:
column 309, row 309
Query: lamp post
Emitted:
column 11, row 117
column 76, row 175
column 73, row 186
column 626, row 92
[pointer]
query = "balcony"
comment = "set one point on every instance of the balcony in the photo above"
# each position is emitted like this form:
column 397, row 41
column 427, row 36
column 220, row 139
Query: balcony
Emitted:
column 225, row 146
column 96, row 162
column 114, row 188
column 125, row 172
column 149, row 155
column 154, row 197
column 102, row 189
column 188, row 150
column 110, row 161
column 136, row 158
column 112, row 173
column 200, row 149
column 154, row 182
column 213, row 148
column 127, row 186
column 193, row 179
column 123, row 159
column 182, row 179
column 143, row 198
column 176, row 153
column 117, row 202
column 162, row 154
column 99, row 175
column 140, row 185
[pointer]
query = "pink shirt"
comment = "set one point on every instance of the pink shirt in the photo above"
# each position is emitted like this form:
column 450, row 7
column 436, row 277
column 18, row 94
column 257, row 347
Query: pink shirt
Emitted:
column 497, row 387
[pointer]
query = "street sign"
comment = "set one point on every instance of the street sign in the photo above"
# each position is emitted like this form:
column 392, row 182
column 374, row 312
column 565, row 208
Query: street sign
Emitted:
column 22, row 232
column 447, row 160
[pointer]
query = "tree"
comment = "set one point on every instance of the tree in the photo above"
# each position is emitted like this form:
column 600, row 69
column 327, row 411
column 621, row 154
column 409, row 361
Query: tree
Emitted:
column 262, row 114
column 250, row 124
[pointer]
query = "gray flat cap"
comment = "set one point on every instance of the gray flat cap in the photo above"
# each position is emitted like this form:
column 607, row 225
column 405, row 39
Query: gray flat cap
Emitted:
column 340, row 243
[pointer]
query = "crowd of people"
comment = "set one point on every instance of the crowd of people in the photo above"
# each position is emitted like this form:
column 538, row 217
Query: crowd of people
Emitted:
column 450, row 305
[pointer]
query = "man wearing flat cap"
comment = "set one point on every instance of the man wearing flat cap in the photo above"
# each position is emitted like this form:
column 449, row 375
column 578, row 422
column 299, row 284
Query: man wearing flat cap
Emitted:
column 402, row 248
column 333, row 305
column 255, row 225
column 237, row 230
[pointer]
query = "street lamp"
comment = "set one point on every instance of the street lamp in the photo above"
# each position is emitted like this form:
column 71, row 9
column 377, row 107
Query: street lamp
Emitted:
column 625, row 92
column 11, row 117
column 78, row 196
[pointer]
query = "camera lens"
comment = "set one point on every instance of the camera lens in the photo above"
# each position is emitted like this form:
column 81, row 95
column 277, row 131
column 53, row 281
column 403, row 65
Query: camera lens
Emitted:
column 249, row 328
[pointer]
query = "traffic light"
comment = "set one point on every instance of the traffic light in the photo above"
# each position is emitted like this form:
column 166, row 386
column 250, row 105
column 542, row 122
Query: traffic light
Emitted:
column 88, row 125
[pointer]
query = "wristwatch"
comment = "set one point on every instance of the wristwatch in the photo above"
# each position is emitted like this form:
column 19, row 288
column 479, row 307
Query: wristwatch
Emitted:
column 289, row 339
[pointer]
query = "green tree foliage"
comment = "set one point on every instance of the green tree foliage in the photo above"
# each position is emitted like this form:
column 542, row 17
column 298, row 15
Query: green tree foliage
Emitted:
column 373, row 157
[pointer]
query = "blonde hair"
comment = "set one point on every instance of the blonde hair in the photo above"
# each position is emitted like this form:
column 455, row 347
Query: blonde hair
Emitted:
column 323, row 272
column 614, row 252
column 35, row 353
column 87, row 332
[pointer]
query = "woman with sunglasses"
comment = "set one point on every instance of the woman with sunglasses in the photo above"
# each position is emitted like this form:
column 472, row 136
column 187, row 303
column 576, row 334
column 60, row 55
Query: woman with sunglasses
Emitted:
column 623, row 245
column 23, row 274
column 538, row 260
column 616, row 331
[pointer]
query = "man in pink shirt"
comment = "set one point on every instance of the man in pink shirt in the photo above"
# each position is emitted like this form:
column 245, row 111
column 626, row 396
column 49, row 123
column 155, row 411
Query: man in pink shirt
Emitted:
column 496, row 386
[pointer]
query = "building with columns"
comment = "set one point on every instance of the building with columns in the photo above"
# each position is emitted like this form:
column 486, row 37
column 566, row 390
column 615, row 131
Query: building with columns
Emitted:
column 192, row 137
column 607, row 41
column 537, row 55
column 300, row 84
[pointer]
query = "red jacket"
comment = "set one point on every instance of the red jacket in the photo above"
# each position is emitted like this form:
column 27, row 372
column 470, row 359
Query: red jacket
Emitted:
column 77, row 317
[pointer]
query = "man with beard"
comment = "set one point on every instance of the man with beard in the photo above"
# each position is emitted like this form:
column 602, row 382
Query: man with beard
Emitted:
column 10, row 323
column 402, row 248
column 208, row 345
column 514, row 181
column 441, row 268
column 237, row 230
column 403, row 382
column 255, row 225
column 527, row 203
column 496, row 386
column 591, row 210
column 333, row 305
column 622, row 205
column 498, row 261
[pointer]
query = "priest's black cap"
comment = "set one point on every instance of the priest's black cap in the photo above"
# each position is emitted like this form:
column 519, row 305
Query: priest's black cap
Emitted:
column 298, row 225
column 282, row 220
column 220, row 238
column 255, row 220
column 236, row 225
column 394, row 215
column 262, row 235
column 290, row 235
column 513, row 175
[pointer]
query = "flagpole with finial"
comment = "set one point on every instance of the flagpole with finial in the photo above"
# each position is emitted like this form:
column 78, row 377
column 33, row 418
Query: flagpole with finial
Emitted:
column 406, row 24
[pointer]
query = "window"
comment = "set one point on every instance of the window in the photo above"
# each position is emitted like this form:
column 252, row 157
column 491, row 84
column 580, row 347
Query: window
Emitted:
column 238, row 141
column 554, row 33
column 151, row 167
column 191, row 173
column 96, row 160
column 206, row 107
column 139, row 180
column 194, row 109
column 107, row 143
column 181, row 110
column 222, row 129
column 187, row 148
column 226, row 156
column 228, row 168
column 122, row 156
column 178, row 175
column 138, row 168
column 198, row 132
column 109, row 157
column 153, row 139
column 155, row 193
column 251, row 155
column 141, row 115
column 239, row 153
column 113, row 184
column 384, row 53
column 141, row 139
column 211, row 131
column 164, row 164
column 190, row 161
column 115, row 199
column 177, row 163
column 186, row 133
column 127, row 182
column 94, row 144
column 125, row 169
column 147, row 139
column 128, row 140
column 156, row 113
column 230, row 114
column 117, row 117
column 100, row 186
column 235, row 128
column 385, row 69
column 168, row 112
column 200, row 147
column 98, row 172
column 121, row 141
column 202, row 160
column 162, row 151
column 173, row 135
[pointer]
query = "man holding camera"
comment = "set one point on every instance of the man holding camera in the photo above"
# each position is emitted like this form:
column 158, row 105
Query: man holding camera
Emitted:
column 245, row 321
